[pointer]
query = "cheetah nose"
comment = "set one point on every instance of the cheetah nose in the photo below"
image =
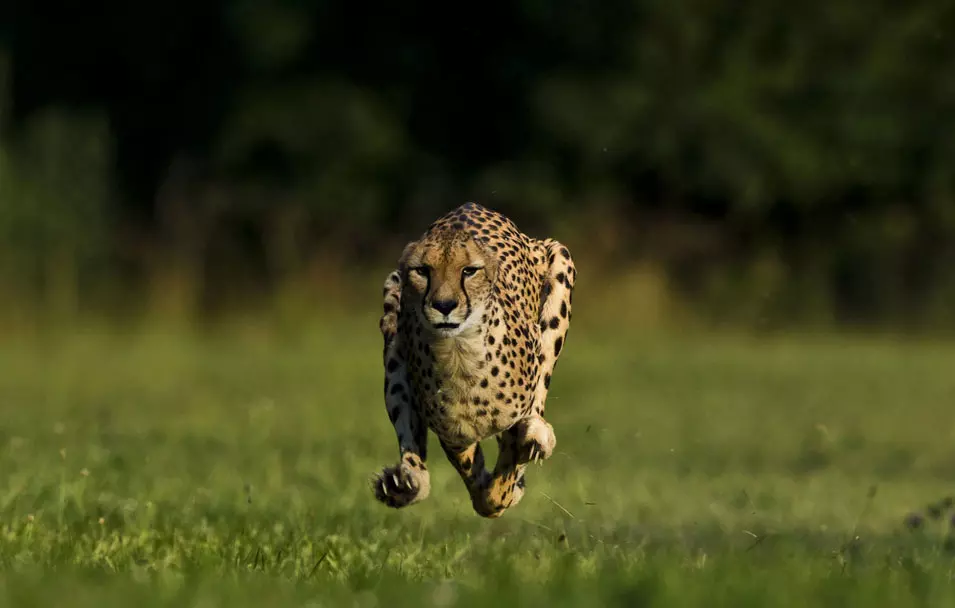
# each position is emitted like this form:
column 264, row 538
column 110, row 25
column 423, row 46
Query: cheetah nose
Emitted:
column 444, row 306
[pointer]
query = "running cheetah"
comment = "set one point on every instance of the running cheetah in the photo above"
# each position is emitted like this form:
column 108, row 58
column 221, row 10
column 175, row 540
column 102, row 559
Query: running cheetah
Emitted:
column 475, row 317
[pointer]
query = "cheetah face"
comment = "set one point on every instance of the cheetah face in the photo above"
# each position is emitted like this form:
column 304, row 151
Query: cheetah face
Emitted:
column 452, row 278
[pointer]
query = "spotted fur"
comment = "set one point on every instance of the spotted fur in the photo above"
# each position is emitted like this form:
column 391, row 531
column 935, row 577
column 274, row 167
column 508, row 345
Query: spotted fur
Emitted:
column 475, row 318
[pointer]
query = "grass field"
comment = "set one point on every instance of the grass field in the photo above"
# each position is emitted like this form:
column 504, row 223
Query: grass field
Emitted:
column 161, row 468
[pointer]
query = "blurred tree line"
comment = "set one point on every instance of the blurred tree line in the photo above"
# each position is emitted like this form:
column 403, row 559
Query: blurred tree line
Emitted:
column 774, row 160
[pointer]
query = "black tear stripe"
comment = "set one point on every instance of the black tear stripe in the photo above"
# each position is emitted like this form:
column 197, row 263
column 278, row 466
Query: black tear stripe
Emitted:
column 467, row 300
column 424, row 297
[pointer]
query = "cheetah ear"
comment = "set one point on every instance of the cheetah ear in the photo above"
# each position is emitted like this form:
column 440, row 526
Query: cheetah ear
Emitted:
column 403, row 259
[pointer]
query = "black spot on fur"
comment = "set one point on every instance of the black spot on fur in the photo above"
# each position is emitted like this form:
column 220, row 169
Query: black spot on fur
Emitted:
column 546, row 288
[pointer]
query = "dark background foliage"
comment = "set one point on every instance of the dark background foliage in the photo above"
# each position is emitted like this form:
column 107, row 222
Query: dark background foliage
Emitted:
column 771, row 160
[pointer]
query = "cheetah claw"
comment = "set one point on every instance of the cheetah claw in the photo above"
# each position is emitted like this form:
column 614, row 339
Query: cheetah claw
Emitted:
column 532, row 452
column 397, row 488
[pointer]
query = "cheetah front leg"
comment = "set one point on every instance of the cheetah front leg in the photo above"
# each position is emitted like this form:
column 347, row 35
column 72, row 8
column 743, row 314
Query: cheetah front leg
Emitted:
column 532, row 438
column 517, row 447
column 536, row 439
column 408, row 481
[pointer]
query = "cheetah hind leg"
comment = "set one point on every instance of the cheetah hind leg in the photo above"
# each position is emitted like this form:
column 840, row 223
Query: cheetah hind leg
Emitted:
column 505, row 487
column 468, row 461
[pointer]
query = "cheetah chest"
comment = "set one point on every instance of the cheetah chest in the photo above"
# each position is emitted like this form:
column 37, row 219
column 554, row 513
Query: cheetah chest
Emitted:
column 465, row 393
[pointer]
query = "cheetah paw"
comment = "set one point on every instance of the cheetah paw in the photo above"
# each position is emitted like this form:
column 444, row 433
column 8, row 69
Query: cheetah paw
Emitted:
column 492, row 505
column 400, row 486
column 538, row 441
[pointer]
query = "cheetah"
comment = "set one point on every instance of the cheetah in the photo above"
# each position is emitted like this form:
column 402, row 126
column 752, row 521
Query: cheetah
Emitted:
column 475, row 317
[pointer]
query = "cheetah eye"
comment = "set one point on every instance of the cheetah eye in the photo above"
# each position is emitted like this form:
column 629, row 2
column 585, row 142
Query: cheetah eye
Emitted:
column 422, row 270
column 470, row 270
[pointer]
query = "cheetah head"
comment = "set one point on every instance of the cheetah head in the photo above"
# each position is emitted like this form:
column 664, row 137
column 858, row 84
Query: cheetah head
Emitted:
column 452, row 276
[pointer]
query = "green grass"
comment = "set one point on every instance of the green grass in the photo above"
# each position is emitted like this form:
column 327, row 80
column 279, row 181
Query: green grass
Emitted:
column 161, row 468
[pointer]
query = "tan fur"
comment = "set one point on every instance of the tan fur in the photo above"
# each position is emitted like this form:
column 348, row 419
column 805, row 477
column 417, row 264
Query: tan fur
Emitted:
column 475, row 317
column 457, row 359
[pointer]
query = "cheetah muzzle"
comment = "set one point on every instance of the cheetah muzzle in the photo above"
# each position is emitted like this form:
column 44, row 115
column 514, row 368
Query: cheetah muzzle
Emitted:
column 475, row 317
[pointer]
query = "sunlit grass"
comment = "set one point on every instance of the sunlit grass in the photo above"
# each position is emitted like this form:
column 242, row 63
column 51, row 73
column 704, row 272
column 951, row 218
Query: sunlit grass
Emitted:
column 168, row 468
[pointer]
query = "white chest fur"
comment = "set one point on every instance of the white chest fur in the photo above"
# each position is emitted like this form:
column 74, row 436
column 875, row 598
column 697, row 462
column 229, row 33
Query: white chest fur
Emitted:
column 460, row 409
column 457, row 361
